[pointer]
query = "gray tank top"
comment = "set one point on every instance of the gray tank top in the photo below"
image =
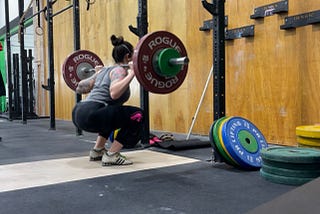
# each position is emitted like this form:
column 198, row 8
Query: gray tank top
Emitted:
column 101, row 89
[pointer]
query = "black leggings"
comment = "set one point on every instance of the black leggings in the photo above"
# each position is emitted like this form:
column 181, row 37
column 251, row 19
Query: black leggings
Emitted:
column 98, row 118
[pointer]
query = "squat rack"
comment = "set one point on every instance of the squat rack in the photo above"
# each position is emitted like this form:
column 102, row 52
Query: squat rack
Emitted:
column 23, row 59
column 8, row 44
column 48, row 11
column 217, row 10
column 140, row 31
column 76, row 44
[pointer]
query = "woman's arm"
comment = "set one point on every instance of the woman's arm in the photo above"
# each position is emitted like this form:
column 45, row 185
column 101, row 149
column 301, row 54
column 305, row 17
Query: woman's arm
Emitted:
column 120, row 80
column 86, row 85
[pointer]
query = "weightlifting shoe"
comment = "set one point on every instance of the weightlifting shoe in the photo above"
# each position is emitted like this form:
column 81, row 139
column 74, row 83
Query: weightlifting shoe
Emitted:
column 96, row 154
column 114, row 159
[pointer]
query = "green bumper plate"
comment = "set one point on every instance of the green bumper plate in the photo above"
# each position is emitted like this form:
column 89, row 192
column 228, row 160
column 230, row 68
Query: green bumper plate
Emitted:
column 291, row 155
column 284, row 179
column 298, row 173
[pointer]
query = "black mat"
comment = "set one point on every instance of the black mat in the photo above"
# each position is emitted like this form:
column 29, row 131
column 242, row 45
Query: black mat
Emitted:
column 304, row 199
column 201, row 187
column 32, row 141
column 190, row 188
column 184, row 144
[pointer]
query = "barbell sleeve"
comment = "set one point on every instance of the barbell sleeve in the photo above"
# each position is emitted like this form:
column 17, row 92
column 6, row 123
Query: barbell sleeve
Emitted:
column 88, row 70
column 173, row 61
column 179, row 61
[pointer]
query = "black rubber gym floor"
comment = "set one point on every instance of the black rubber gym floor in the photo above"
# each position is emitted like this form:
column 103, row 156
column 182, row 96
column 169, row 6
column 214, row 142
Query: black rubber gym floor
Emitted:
column 194, row 185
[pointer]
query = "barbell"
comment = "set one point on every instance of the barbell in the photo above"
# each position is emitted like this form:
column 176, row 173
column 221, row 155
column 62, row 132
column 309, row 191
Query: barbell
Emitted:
column 160, row 63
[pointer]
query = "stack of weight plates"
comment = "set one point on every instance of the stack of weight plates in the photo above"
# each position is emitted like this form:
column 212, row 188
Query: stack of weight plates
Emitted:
column 238, row 142
column 290, row 165
column 308, row 136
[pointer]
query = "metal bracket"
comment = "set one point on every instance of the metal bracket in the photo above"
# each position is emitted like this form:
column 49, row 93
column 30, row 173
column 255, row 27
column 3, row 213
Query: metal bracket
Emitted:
column 299, row 20
column 237, row 33
column 270, row 9
column 134, row 30
column 211, row 8
column 208, row 24
column 47, row 87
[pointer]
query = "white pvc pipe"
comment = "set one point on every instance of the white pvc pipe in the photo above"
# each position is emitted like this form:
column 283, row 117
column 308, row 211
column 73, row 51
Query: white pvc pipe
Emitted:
column 200, row 102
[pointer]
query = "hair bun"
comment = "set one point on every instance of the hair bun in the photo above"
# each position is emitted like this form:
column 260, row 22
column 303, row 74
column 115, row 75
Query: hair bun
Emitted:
column 116, row 41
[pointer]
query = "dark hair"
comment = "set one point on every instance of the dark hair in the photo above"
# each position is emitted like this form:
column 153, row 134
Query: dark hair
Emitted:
column 121, row 48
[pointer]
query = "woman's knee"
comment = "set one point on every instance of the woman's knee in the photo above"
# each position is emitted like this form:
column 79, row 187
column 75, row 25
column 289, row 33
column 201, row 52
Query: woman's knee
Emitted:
column 74, row 116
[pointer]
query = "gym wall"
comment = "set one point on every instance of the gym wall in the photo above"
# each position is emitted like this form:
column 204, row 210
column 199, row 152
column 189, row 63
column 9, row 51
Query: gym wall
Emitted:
column 272, row 78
